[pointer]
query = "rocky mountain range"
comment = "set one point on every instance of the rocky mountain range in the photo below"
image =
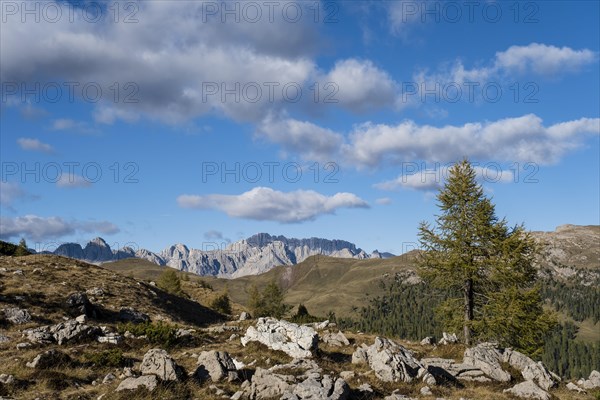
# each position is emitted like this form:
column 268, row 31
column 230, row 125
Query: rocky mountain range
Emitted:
column 562, row 248
column 254, row 255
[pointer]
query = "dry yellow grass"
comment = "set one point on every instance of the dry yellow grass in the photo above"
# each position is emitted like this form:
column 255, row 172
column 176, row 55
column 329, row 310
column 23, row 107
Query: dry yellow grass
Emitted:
column 47, row 281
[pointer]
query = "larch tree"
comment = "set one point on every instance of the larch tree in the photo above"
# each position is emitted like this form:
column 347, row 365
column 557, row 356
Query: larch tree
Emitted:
column 486, row 268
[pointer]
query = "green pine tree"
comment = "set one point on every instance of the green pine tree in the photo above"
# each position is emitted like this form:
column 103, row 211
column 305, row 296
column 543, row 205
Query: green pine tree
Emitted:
column 21, row 249
column 268, row 303
column 485, row 266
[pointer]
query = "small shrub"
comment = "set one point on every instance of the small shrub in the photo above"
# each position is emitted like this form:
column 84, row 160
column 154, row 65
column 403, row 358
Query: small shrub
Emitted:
column 222, row 304
column 108, row 358
column 157, row 333
column 204, row 285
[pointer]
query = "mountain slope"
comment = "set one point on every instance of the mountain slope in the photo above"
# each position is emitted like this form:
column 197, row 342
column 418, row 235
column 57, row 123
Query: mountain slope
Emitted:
column 325, row 283
column 252, row 256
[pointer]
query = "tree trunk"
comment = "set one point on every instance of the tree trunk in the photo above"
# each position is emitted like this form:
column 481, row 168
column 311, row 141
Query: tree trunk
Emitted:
column 468, row 311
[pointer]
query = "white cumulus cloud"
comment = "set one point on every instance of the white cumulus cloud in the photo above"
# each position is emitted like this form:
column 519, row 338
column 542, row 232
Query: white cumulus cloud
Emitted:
column 266, row 204
column 34, row 145
column 49, row 228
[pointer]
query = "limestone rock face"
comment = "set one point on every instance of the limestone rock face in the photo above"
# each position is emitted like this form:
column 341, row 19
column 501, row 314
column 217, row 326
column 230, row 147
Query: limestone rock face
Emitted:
column 487, row 358
column 41, row 335
column 336, row 339
column 148, row 381
column 448, row 338
column 158, row 362
column 71, row 331
column 592, row 382
column 390, row 361
column 305, row 383
column 528, row 390
column 531, row 370
column 295, row 340
column 574, row 388
column 17, row 315
column 538, row 373
column 244, row 316
column 216, row 365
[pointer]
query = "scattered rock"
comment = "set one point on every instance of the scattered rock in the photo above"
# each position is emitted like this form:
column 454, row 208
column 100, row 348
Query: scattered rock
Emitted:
column 111, row 338
column 72, row 331
column 428, row 341
column 18, row 272
column 4, row 339
column 79, row 303
column 267, row 385
column 296, row 341
column 397, row 396
column 390, row 361
column 7, row 379
column 158, row 362
column 448, row 338
column 530, row 370
column 305, row 383
column 49, row 359
column 244, row 316
column 41, row 335
column 538, row 373
column 148, row 381
column 336, row 339
column 487, row 358
column 574, row 388
column 23, row 346
column 592, row 382
column 82, row 319
column 366, row 388
column 184, row 332
column 95, row 291
column 426, row 391
column 129, row 314
column 217, row 365
column 347, row 375
column 109, row 378
column 528, row 390
column 17, row 316
column 321, row 325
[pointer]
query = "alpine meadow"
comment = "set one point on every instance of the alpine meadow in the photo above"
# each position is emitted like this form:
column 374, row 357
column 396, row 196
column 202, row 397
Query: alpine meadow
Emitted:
column 299, row 200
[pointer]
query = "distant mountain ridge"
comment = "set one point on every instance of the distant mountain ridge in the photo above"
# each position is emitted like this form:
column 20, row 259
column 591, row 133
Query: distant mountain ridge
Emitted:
column 254, row 255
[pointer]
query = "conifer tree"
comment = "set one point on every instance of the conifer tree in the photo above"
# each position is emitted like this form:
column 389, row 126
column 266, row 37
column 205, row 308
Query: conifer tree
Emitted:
column 485, row 266
column 21, row 249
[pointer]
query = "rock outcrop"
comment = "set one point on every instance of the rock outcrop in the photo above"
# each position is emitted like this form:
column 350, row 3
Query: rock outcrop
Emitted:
column 150, row 382
column 158, row 362
column 592, row 382
column 17, row 316
column 487, row 358
column 216, row 365
column 295, row 340
column 528, row 390
column 306, row 382
column 391, row 362
column 336, row 339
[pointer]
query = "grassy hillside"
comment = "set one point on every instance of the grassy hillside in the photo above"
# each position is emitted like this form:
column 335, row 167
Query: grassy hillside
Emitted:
column 46, row 280
column 321, row 283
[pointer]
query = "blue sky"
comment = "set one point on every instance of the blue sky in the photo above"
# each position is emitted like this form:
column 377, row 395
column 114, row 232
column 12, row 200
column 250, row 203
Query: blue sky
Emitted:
column 157, row 122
